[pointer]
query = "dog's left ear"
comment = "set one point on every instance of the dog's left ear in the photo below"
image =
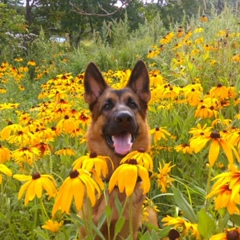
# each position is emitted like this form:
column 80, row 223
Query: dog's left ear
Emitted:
column 94, row 83
column 139, row 81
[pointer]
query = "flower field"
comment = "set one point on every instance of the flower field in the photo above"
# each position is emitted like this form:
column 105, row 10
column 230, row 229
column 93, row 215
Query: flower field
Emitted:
column 194, row 185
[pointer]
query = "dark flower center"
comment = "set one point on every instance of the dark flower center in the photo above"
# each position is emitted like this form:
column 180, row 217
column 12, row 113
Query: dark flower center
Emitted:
column 36, row 175
column 173, row 234
column 215, row 135
column 233, row 235
column 74, row 174
column 132, row 161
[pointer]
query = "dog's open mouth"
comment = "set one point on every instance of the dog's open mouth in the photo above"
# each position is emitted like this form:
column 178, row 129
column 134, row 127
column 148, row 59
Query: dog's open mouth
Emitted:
column 122, row 143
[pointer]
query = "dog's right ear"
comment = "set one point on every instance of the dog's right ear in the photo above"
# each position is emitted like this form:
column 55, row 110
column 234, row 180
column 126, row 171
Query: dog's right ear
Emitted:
column 94, row 84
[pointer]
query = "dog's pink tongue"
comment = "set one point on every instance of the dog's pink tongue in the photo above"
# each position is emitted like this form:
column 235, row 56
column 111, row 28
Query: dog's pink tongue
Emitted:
column 122, row 143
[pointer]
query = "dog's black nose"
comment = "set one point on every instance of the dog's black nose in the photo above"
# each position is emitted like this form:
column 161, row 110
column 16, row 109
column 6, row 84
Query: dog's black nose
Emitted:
column 123, row 117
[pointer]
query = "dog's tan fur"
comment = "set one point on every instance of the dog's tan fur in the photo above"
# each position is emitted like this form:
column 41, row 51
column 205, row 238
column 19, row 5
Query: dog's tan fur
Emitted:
column 104, row 103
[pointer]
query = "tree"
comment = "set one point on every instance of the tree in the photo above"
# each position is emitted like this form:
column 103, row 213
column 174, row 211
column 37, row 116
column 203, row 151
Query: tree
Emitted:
column 12, row 25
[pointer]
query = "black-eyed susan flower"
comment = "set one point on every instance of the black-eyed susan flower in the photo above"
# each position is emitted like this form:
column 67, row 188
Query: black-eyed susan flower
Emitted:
column 121, row 179
column 34, row 186
column 77, row 186
column 31, row 63
column 67, row 125
column 186, row 228
column 159, row 133
column 26, row 155
column 163, row 178
column 201, row 138
column 5, row 154
column 220, row 91
column 227, row 190
column 203, row 18
column 93, row 162
column 66, row 152
column 184, row 148
column 52, row 225
column 229, row 234
column 141, row 157
column 4, row 169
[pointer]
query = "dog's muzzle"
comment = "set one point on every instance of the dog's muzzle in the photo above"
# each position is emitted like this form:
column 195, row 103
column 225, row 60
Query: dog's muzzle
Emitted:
column 121, row 132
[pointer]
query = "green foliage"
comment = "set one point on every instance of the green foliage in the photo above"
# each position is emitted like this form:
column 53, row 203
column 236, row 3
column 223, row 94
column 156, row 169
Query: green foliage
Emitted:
column 12, row 26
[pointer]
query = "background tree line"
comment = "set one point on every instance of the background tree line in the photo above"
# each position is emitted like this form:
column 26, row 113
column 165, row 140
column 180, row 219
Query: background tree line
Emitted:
column 22, row 21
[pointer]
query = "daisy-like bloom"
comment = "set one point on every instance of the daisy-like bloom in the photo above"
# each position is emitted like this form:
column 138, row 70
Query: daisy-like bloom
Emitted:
column 184, row 148
column 31, row 63
column 203, row 18
column 141, row 157
column 52, row 225
column 67, row 125
column 227, row 190
column 181, row 225
column 66, row 152
column 219, row 91
column 200, row 139
column 4, row 169
column 92, row 162
column 77, row 186
column 205, row 111
column 10, row 129
column 125, row 183
column 163, row 179
column 26, row 155
column 34, row 186
column 229, row 234
column 159, row 133
column 4, row 154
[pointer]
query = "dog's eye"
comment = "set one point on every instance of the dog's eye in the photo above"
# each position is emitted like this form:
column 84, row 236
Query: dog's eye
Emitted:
column 107, row 106
column 132, row 104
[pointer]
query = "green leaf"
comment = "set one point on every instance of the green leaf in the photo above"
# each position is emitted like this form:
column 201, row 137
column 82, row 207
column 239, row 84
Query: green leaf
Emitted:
column 236, row 219
column 164, row 232
column 184, row 206
column 119, row 225
column 206, row 224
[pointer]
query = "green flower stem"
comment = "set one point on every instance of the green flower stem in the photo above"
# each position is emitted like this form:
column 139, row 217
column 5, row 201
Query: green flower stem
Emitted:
column 208, row 188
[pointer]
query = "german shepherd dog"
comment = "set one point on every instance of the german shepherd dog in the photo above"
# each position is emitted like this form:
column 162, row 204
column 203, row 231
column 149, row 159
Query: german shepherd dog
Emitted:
column 118, row 126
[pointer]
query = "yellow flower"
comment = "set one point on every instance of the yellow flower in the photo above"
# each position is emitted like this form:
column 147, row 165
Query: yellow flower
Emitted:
column 203, row 18
column 159, row 133
column 32, row 63
column 52, row 225
column 67, row 125
column 163, row 179
column 229, row 234
column 185, row 227
column 141, row 157
column 126, row 177
column 65, row 152
column 4, row 154
column 219, row 91
column 185, row 148
column 4, row 169
column 34, row 186
column 26, row 155
column 93, row 162
column 75, row 186
column 227, row 190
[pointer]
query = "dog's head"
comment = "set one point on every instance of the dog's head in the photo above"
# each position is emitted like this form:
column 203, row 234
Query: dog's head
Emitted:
column 118, row 116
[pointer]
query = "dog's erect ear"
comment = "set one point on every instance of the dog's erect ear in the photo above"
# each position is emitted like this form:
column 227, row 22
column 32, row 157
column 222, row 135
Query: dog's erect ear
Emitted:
column 139, row 81
column 94, row 83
